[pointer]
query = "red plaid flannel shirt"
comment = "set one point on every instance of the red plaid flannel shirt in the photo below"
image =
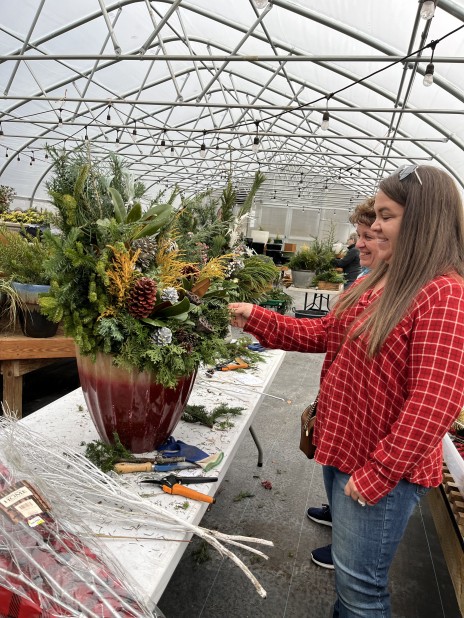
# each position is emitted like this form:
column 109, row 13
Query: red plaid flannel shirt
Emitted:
column 382, row 419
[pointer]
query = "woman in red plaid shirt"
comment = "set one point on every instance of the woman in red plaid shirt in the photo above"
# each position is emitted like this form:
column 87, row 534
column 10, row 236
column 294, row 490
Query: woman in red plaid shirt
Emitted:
column 392, row 381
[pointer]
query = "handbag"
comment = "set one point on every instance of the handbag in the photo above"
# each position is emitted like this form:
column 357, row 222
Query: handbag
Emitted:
column 308, row 419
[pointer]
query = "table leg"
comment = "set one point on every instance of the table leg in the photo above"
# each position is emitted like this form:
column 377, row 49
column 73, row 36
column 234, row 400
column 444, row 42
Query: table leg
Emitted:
column 258, row 446
column 12, row 387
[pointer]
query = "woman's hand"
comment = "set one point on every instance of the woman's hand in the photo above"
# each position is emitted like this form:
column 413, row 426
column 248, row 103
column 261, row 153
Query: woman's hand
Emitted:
column 239, row 313
column 353, row 493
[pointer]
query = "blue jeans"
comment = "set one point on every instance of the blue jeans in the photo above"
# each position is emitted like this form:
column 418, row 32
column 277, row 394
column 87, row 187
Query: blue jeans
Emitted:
column 364, row 542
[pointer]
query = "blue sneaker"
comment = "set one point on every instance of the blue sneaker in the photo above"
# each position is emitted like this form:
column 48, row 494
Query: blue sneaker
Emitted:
column 322, row 556
column 321, row 516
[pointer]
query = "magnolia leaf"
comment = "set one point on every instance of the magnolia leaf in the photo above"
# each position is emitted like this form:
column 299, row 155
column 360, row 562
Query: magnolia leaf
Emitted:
column 181, row 317
column 153, row 322
column 153, row 226
column 155, row 211
column 216, row 294
column 135, row 213
column 161, row 306
column 201, row 287
column 177, row 309
column 120, row 213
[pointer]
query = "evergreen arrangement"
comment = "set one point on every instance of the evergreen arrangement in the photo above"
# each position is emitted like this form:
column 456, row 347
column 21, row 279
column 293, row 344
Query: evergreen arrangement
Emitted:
column 120, row 282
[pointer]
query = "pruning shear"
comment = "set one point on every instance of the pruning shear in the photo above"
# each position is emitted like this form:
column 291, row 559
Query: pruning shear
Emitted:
column 174, row 485
column 238, row 363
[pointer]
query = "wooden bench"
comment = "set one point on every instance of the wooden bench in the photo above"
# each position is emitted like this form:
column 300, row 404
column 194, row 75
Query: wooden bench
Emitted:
column 20, row 355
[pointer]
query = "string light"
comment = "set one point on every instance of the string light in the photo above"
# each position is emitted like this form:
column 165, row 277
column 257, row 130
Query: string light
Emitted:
column 6, row 153
column 162, row 146
column 1, row 130
column 17, row 158
column 428, row 77
column 203, row 147
column 172, row 149
column 255, row 145
column 117, row 137
column 217, row 144
column 108, row 115
column 60, row 119
column 301, row 178
column 326, row 188
column 429, row 70
column 134, row 130
column 86, row 137
column 33, row 156
column 427, row 9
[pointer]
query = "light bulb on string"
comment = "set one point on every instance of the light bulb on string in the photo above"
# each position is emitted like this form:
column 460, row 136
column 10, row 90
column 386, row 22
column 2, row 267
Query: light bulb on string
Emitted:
column 108, row 115
column 30, row 162
column 325, row 121
column 326, row 188
column 428, row 76
column 17, row 158
column 117, row 137
column 1, row 130
column 301, row 178
column 60, row 119
column 162, row 146
column 255, row 145
column 86, row 137
column 33, row 156
column 6, row 153
column 217, row 145
column 203, row 147
column 427, row 9
column 134, row 130
column 172, row 149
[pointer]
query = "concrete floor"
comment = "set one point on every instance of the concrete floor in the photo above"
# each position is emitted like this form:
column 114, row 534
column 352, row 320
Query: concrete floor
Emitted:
column 205, row 585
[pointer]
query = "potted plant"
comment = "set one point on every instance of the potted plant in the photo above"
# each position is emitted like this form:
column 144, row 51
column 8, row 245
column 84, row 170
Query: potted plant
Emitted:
column 142, row 313
column 328, row 280
column 22, row 259
column 303, row 266
column 312, row 260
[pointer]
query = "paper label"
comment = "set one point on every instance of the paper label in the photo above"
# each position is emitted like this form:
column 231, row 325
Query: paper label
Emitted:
column 21, row 502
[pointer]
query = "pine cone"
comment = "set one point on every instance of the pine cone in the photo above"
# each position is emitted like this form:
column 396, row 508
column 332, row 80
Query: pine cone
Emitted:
column 189, row 271
column 142, row 298
column 203, row 326
column 170, row 294
column 193, row 298
column 186, row 340
column 162, row 336
column 148, row 247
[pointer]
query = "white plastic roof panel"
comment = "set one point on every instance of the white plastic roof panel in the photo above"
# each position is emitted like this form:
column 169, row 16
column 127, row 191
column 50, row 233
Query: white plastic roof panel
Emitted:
column 223, row 73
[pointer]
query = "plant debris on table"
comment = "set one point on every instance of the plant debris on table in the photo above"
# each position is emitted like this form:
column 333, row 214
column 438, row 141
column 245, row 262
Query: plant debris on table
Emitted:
column 199, row 414
column 104, row 456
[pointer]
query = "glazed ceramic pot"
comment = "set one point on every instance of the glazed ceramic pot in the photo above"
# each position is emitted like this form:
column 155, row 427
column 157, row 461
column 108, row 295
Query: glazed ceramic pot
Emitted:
column 130, row 403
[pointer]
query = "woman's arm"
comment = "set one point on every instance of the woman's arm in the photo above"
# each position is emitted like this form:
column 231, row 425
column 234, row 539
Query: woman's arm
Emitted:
column 281, row 332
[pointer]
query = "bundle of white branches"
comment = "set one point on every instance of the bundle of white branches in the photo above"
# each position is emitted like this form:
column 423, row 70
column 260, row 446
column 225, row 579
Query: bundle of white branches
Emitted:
column 77, row 489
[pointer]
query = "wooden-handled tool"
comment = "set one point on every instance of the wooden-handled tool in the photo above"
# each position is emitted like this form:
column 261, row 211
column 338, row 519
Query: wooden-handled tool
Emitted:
column 124, row 468
column 174, row 485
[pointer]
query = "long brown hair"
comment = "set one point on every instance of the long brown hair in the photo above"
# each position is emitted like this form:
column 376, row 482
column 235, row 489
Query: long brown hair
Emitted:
column 430, row 243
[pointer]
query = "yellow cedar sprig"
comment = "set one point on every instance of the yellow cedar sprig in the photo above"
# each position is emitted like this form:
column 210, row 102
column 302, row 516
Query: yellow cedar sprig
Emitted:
column 122, row 273
column 216, row 268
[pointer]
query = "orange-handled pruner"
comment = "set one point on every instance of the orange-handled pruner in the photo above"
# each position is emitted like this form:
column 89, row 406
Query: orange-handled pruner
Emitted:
column 174, row 485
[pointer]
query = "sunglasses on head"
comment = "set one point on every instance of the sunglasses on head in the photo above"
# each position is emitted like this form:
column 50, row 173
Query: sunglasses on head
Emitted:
column 406, row 170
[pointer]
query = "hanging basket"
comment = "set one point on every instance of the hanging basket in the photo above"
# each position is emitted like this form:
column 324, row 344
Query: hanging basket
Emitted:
column 130, row 403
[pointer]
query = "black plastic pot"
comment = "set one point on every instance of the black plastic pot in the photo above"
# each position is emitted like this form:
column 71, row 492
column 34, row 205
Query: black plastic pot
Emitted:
column 34, row 324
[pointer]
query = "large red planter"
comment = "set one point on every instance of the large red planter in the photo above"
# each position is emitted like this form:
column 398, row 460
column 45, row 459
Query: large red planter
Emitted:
column 129, row 403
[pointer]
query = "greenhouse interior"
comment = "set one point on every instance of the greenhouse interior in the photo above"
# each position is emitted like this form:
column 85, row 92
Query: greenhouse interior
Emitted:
column 213, row 214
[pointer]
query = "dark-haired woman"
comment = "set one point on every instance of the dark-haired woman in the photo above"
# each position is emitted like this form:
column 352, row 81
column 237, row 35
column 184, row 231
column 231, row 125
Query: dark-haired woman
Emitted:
column 392, row 380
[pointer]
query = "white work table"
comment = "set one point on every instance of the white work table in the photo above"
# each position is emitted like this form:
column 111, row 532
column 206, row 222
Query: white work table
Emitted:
column 150, row 563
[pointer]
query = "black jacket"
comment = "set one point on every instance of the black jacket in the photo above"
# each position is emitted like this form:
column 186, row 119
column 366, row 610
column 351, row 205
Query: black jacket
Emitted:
column 350, row 264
